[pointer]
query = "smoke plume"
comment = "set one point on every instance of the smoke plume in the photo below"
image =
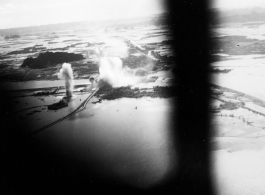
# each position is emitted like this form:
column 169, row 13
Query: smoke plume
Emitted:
column 111, row 68
column 66, row 73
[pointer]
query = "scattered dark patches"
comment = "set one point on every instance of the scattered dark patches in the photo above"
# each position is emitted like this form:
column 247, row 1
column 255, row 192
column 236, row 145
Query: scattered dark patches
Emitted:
column 243, row 18
column 45, row 92
column 216, row 70
column 72, row 40
column 164, row 58
column 214, row 91
column 2, row 57
column 259, row 57
column 58, row 49
column 37, row 66
column 168, row 42
column 28, row 50
column 12, row 37
column 217, row 58
column 95, row 44
column 252, row 24
column 5, row 46
column 66, row 47
column 214, row 110
column 236, row 45
column 141, row 72
column 6, row 64
column 229, row 106
column 163, row 62
column 85, row 69
column 33, row 112
column 50, row 59
column 52, row 42
column 109, row 93
column 134, row 62
column 58, row 105
column 18, row 42
column 158, row 33
column 75, row 44
column 153, row 35
column 81, row 70
column 144, row 51
column 218, row 90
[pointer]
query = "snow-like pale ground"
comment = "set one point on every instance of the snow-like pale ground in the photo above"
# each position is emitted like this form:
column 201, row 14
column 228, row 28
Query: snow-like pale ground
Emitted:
column 241, row 171
column 256, row 32
column 247, row 76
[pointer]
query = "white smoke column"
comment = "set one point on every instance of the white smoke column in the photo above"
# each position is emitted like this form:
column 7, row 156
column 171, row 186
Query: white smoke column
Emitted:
column 110, row 65
column 66, row 73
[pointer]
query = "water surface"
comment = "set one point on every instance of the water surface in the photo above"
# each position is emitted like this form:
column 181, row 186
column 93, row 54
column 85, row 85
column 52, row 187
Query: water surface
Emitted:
column 129, row 140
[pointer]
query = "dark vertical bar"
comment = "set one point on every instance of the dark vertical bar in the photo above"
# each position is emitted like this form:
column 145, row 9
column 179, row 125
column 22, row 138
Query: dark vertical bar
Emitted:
column 189, row 23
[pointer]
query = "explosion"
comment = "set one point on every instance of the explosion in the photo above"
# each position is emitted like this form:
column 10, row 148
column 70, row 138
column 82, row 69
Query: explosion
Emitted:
column 66, row 73
column 111, row 68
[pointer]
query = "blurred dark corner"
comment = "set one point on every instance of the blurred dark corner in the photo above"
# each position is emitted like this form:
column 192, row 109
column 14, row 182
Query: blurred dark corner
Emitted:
column 189, row 21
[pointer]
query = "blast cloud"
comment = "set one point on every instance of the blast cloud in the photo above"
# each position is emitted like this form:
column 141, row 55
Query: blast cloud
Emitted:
column 111, row 68
column 66, row 73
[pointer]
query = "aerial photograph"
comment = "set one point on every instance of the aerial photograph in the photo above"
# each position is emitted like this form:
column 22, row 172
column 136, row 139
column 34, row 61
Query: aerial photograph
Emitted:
column 88, row 96
column 238, row 97
column 90, row 92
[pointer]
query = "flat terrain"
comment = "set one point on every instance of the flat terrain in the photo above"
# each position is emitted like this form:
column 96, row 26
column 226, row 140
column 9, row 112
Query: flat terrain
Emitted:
column 153, row 48
column 238, row 142
column 238, row 108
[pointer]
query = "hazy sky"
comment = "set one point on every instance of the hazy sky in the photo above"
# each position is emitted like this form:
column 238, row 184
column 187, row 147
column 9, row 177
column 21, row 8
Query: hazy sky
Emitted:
column 18, row 13
column 237, row 4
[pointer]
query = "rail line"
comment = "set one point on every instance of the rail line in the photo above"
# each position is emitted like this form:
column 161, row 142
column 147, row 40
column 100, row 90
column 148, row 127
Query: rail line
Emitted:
column 78, row 109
